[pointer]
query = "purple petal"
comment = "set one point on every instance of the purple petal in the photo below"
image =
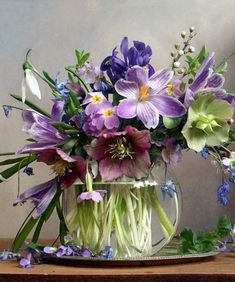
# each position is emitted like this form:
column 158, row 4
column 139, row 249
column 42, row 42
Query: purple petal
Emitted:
column 127, row 108
column 127, row 89
column 96, row 197
column 57, row 110
column 189, row 97
column 110, row 169
column 35, row 147
column 206, row 64
column 148, row 114
column 168, row 106
column 160, row 79
column 138, row 75
column 124, row 48
column 201, row 80
column 215, row 81
column 111, row 122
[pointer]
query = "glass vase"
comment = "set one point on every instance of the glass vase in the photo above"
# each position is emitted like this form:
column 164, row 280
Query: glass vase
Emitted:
column 135, row 218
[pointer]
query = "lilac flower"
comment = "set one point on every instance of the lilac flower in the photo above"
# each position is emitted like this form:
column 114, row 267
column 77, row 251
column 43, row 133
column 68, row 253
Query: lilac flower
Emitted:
column 139, row 54
column 39, row 127
column 106, row 117
column 173, row 89
column 207, row 82
column 168, row 188
column 85, row 252
column 7, row 110
column 28, row 170
column 69, row 250
column 95, row 196
column 222, row 192
column 26, row 262
column 205, row 153
column 171, row 154
column 94, row 100
column 142, row 98
column 92, row 75
column 41, row 195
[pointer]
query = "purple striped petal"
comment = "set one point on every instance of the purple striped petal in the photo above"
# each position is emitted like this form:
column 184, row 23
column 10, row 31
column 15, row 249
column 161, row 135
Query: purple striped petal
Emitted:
column 168, row 106
column 216, row 81
column 138, row 75
column 206, row 64
column 127, row 108
column 148, row 114
column 201, row 80
column 57, row 110
column 160, row 79
column 189, row 97
column 35, row 147
column 127, row 89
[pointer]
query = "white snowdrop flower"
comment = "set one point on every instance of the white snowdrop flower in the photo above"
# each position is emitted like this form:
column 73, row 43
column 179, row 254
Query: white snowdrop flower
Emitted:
column 30, row 81
column 191, row 49
column 176, row 64
column 181, row 52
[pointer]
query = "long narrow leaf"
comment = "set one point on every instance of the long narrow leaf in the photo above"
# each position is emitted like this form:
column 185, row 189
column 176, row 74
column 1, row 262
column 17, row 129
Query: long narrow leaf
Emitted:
column 11, row 161
column 22, row 236
column 15, row 168
column 31, row 105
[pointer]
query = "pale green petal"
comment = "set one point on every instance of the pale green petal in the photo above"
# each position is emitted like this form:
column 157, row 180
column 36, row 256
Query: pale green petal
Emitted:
column 195, row 138
column 200, row 105
column 219, row 136
column 220, row 109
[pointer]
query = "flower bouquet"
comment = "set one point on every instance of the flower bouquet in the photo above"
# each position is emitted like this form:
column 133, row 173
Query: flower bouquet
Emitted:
column 111, row 130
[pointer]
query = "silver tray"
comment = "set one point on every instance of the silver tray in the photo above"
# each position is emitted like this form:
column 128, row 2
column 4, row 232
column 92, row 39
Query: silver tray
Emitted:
column 158, row 259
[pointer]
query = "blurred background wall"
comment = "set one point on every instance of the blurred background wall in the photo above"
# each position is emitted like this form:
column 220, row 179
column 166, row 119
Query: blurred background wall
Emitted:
column 55, row 28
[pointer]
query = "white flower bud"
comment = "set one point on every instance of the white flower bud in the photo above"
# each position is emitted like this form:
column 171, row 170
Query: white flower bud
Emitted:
column 176, row 64
column 192, row 29
column 30, row 81
column 191, row 49
column 183, row 34
column 181, row 52
column 177, row 46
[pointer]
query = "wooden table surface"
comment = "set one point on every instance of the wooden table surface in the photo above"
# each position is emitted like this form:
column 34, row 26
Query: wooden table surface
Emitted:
column 220, row 268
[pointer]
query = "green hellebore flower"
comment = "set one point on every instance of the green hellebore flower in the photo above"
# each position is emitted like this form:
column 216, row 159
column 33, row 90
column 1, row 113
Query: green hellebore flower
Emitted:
column 207, row 122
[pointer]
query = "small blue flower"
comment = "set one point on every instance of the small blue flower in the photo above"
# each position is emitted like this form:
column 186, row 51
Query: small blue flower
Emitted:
column 205, row 153
column 7, row 110
column 222, row 192
column 107, row 252
column 61, row 87
column 28, row 170
column 6, row 255
column 168, row 189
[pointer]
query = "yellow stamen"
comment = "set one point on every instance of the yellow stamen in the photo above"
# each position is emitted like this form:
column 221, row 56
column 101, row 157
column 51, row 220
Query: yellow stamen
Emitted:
column 170, row 89
column 144, row 92
column 96, row 99
column 108, row 112
column 59, row 167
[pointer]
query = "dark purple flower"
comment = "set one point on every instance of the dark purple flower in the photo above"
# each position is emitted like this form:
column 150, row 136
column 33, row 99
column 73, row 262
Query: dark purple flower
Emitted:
column 26, row 262
column 142, row 97
column 41, row 195
column 139, row 54
column 39, row 127
column 122, row 153
column 95, row 196
column 222, row 192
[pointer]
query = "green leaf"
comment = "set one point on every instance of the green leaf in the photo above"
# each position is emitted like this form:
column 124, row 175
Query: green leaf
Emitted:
column 82, row 57
column 48, row 77
column 22, row 236
column 31, row 105
column 224, row 226
column 69, row 144
column 157, row 135
column 11, row 161
column 15, row 168
column 222, row 69
column 61, row 125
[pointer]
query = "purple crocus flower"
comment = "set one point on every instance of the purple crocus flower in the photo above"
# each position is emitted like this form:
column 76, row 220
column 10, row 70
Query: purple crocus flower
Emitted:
column 39, row 127
column 95, row 196
column 171, row 154
column 41, row 195
column 138, row 54
column 142, row 98
column 206, row 82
